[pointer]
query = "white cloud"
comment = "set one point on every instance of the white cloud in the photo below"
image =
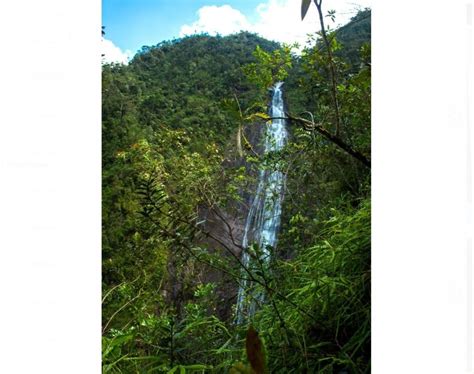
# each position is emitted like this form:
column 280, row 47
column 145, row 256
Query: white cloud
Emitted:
column 278, row 20
column 112, row 53
column 213, row 19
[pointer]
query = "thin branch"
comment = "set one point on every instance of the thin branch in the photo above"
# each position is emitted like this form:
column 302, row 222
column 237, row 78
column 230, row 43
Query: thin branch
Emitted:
column 120, row 309
column 229, row 227
column 216, row 210
column 115, row 287
column 249, row 273
column 332, row 68
column 251, row 278
column 310, row 126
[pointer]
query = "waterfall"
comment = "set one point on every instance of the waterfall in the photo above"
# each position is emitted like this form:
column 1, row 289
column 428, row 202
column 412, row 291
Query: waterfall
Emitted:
column 263, row 219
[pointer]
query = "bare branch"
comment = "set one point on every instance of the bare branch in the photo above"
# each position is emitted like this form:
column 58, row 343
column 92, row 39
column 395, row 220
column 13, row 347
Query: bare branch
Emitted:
column 310, row 126
column 332, row 68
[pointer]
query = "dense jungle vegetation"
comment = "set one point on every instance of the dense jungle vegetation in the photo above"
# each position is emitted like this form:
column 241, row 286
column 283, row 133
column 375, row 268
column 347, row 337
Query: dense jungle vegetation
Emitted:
column 177, row 143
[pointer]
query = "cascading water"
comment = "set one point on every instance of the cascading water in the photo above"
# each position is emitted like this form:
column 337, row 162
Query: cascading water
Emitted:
column 263, row 219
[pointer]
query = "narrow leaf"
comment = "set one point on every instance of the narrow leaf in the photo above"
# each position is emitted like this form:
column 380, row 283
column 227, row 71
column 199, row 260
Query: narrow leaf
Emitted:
column 304, row 8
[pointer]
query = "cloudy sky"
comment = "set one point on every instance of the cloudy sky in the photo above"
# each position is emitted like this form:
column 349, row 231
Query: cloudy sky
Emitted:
column 131, row 24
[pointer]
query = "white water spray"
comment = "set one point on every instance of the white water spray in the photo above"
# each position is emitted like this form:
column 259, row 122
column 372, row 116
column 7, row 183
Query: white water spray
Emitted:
column 263, row 219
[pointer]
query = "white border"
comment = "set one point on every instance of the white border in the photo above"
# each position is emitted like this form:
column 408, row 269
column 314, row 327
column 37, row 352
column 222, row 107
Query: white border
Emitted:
column 420, row 302
column 50, row 187
column 469, row 257
column 50, row 218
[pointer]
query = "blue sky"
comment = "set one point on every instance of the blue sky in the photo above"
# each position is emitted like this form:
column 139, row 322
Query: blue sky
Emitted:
column 131, row 24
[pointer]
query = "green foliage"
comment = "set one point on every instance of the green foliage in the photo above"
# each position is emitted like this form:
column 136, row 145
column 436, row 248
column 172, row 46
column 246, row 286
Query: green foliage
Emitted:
column 353, row 36
column 270, row 67
column 330, row 279
column 319, row 321
column 165, row 135
column 171, row 119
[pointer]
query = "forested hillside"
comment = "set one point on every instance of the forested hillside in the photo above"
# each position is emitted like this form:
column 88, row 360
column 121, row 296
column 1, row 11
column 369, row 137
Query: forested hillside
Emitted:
column 182, row 131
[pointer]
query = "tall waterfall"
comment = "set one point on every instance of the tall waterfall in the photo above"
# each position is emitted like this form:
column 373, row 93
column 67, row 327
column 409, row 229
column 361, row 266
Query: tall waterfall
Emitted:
column 263, row 219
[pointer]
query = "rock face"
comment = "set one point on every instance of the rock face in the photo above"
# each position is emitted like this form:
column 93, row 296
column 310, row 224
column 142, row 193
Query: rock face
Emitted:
column 226, row 226
column 225, row 232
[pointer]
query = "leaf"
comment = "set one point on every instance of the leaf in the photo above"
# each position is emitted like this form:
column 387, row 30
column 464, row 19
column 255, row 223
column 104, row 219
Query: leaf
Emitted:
column 197, row 367
column 221, row 349
column 304, row 8
column 255, row 351
column 110, row 344
column 239, row 368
